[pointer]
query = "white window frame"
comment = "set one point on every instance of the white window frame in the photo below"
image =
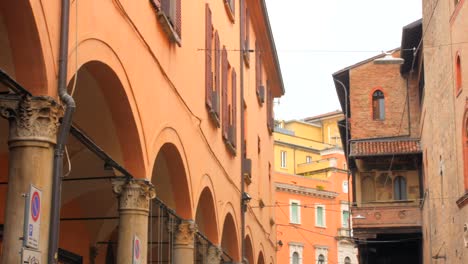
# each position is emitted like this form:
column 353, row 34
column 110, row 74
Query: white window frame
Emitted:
column 308, row 159
column 324, row 215
column 345, row 207
column 345, row 224
column 343, row 185
column 298, row 211
column 321, row 250
column 284, row 156
column 295, row 247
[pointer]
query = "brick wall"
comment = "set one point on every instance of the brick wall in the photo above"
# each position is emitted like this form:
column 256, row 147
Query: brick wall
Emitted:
column 441, row 130
column 367, row 78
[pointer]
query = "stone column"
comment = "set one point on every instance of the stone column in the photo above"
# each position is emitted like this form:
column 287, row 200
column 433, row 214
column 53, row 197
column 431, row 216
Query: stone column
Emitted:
column 32, row 136
column 214, row 255
column 134, row 197
column 184, row 241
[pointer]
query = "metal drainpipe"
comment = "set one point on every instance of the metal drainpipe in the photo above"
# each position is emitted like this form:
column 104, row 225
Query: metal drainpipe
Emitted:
column 63, row 134
column 241, row 66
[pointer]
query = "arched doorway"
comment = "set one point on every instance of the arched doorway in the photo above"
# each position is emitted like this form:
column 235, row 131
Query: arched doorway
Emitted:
column 170, row 180
column 229, row 240
column 249, row 252
column 261, row 259
column 205, row 216
column 173, row 202
column 22, row 57
column 89, row 217
column 19, row 43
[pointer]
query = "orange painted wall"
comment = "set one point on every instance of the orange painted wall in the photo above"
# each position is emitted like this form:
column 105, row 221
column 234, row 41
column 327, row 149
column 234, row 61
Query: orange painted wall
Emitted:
column 164, row 85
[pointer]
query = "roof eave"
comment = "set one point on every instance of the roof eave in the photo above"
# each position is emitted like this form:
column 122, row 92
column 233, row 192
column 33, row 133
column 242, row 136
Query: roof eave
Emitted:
column 273, row 46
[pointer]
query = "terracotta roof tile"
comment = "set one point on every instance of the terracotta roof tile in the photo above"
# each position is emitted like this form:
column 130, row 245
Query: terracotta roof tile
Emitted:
column 384, row 147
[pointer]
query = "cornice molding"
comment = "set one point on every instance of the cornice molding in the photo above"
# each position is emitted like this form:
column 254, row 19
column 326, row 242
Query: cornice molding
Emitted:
column 306, row 191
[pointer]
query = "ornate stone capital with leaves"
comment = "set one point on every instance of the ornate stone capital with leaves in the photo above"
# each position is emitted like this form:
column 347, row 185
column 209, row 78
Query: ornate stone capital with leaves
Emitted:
column 133, row 194
column 31, row 117
column 185, row 233
column 214, row 255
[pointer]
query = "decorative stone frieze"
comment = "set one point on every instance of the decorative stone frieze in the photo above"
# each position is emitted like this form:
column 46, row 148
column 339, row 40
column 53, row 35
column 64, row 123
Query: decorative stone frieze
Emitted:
column 134, row 194
column 31, row 117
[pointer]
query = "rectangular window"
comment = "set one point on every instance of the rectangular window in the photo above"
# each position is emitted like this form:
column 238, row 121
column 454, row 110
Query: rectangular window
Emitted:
column 295, row 212
column 308, row 159
column 345, row 219
column 283, row 159
column 320, row 219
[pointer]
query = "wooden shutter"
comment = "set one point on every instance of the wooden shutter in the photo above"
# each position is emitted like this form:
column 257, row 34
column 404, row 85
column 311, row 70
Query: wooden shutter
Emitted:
column 217, row 76
column 257, row 68
column 156, row 4
column 247, row 32
column 208, row 54
column 166, row 7
column 233, row 6
column 178, row 18
column 224, row 87
column 270, row 120
column 234, row 108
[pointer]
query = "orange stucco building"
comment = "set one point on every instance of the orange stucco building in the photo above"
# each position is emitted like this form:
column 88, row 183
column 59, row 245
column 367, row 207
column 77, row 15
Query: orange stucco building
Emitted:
column 170, row 140
column 312, row 195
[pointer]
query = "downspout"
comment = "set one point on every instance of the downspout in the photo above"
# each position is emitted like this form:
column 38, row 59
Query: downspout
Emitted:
column 243, row 150
column 62, row 135
column 408, row 101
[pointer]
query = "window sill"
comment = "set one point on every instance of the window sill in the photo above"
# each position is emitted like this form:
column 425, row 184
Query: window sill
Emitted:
column 168, row 28
column 294, row 223
column 323, row 227
column 463, row 200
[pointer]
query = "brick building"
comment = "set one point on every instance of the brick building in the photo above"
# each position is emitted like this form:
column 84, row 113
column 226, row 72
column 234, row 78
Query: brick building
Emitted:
column 173, row 101
column 311, row 198
column 443, row 129
column 383, row 109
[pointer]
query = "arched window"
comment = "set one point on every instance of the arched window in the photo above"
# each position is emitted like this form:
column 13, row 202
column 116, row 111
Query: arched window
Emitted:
column 295, row 258
column 458, row 74
column 347, row 260
column 368, row 189
column 321, row 259
column 383, row 187
column 378, row 105
column 399, row 188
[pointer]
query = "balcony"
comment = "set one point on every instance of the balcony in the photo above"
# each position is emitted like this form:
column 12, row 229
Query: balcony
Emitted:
column 386, row 216
column 343, row 233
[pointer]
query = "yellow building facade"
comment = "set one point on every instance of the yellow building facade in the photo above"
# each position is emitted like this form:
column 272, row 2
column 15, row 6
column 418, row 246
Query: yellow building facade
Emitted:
column 312, row 195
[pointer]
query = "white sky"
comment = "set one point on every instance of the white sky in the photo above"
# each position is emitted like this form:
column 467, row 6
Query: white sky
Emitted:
column 301, row 28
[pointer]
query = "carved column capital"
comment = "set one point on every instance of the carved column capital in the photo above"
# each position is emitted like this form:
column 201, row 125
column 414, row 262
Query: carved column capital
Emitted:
column 31, row 117
column 185, row 233
column 133, row 194
column 214, row 255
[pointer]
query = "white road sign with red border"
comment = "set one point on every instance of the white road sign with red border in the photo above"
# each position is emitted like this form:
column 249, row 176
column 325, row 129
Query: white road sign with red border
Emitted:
column 136, row 250
column 32, row 221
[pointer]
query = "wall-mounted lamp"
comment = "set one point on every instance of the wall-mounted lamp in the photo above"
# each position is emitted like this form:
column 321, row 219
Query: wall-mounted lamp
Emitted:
column 246, row 198
column 389, row 59
column 280, row 243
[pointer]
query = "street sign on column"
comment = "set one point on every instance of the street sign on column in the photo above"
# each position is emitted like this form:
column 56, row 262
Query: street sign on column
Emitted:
column 32, row 218
column 30, row 256
column 136, row 250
